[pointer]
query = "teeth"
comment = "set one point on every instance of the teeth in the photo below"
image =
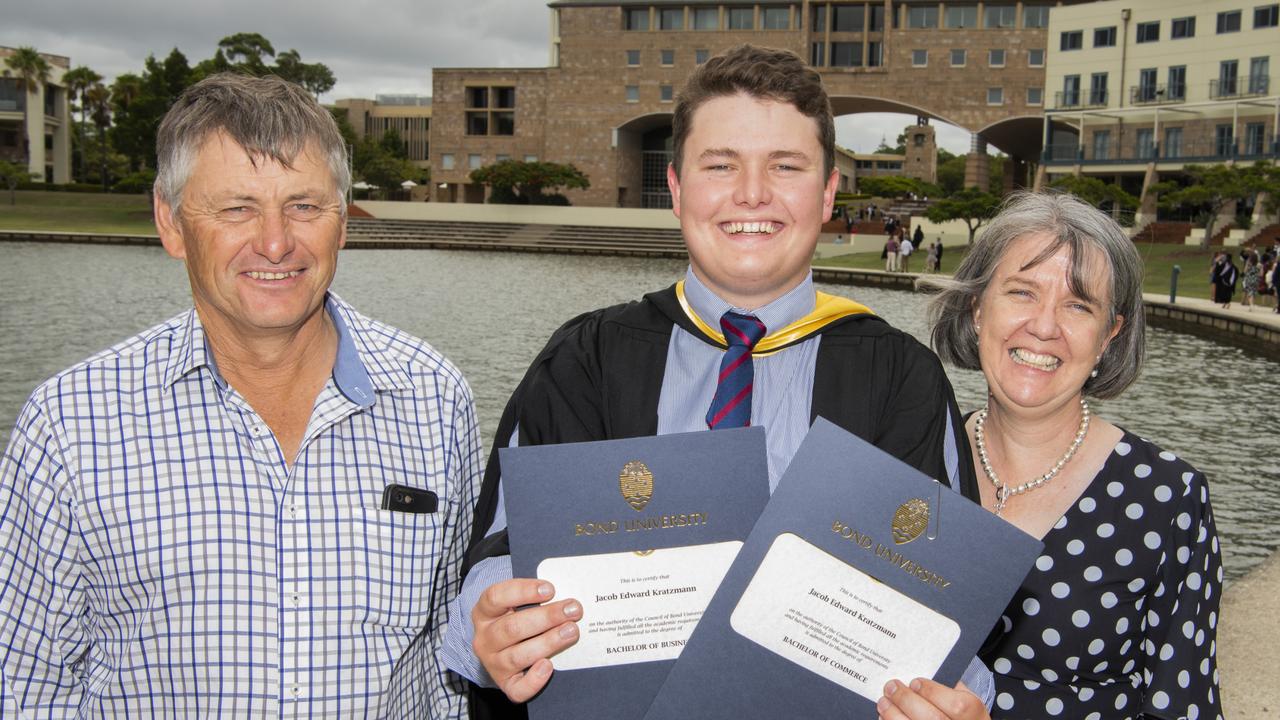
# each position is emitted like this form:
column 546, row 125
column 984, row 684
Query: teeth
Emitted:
column 764, row 228
column 1026, row 357
column 271, row 275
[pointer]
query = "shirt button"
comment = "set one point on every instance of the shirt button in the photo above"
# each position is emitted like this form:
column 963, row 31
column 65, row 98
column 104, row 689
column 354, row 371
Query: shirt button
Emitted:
column 293, row 512
column 296, row 601
column 297, row 691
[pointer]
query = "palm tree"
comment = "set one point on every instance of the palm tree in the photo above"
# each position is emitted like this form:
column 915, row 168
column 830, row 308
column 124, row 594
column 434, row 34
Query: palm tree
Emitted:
column 97, row 100
column 78, row 81
column 33, row 72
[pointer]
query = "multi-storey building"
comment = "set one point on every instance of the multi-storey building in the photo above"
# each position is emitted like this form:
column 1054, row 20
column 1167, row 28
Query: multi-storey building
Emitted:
column 604, row 102
column 48, row 125
column 1142, row 87
column 408, row 115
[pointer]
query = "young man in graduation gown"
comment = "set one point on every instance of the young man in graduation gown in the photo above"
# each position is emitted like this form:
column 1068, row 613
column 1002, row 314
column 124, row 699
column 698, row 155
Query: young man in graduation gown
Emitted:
column 752, row 180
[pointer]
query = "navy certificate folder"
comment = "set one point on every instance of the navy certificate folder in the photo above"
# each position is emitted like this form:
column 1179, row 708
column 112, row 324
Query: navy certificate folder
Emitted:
column 628, row 519
column 859, row 566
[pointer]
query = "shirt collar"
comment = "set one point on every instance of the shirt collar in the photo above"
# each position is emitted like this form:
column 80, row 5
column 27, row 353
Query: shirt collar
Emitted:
column 362, row 366
column 796, row 303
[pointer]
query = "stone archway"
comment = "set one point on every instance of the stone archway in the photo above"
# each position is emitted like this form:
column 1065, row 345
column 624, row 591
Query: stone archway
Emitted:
column 642, row 149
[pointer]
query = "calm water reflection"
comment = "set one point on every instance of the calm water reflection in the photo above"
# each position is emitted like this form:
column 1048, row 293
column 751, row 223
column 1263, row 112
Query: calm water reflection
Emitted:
column 490, row 312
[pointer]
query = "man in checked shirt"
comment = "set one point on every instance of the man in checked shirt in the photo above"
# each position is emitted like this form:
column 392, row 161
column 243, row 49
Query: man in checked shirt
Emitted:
column 257, row 508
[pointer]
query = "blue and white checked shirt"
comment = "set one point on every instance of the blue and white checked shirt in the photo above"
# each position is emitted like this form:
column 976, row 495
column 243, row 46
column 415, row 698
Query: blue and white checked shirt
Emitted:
column 159, row 558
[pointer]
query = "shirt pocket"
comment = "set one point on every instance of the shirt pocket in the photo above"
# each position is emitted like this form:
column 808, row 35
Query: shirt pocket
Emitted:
column 396, row 565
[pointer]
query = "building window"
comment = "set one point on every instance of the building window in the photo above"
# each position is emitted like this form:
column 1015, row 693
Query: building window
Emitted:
column 1259, row 75
column 1070, row 91
column 1072, row 40
column 671, row 19
column 633, row 93
column 1035, row 16
column 995, row 96
column 875, row 54
column 1035, row 57
column 473, row 161
column 491, row 110
column 1173, row 142
column 633, row 58
column 999, row 16
column 500, row 157
column 1254, row 138
column 777, row 18
column 995, row 57
column 1184, row 27
column 1266, row 16
column 1104, row 37
column 1228, row 77
column 1098, row 89
column 1176, row 88
column 701, row 56
column 1146, row 90
column 962, row 16
column 1145, row 143
column 706, row 19
column 531, row 158
column 818, row 15
column 636, row 18
column 958, row 57
column 817, row 54
column 446, row 161
column 665, row 93
column 922, row 18
column 668, row 58
column 1035, row 96
column 742, row 18
column 1102, row 145
column 846, row 54
column 1224, row 140
column 1148, row 31
column 1229, row 22
column 848, row 18
column 919, row 58
column 877, row 18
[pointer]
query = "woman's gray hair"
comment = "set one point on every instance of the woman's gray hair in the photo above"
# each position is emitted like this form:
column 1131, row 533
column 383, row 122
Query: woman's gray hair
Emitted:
column 1082, row 229
column 268, row 117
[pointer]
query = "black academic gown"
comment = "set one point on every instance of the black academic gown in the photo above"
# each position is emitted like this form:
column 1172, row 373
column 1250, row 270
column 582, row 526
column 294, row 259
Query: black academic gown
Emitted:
column 600, row 376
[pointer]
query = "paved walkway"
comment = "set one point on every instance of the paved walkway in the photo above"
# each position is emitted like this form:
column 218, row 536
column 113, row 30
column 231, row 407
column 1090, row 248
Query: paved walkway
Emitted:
column 1249, row 644
column 1260, row 314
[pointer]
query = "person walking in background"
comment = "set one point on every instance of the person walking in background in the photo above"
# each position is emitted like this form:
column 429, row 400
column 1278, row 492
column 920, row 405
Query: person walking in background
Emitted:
column 917, row 239
column 939, row 253
column 931, row 260
column 1249, row 279
column 891, row 254
column 1224, row 277
column 905, row 248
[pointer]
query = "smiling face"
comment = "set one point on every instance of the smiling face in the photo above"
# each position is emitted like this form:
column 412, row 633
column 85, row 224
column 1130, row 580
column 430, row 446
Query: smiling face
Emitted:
column 752, row 197
column 1037, row 340
column 260, row 243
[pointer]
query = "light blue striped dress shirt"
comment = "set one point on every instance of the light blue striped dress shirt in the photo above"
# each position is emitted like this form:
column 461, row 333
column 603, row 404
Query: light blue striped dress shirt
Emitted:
column 159, row 558
column 781, row 399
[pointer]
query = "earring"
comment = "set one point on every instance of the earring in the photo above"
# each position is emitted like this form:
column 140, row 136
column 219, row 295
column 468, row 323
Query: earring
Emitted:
column 1094, row 374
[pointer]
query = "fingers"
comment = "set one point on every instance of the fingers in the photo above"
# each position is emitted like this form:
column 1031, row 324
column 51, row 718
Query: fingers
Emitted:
column 928, row 700
column 513, row 645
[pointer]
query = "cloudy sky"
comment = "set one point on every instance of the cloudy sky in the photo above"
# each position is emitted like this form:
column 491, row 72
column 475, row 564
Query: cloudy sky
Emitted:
column 372, row 46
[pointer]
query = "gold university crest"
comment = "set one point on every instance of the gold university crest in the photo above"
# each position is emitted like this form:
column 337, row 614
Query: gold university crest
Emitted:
column 636, row 483
column 911, row 518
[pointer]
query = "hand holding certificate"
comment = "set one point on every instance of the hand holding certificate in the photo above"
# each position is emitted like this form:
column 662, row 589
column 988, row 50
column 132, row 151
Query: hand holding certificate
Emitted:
column 860, row 570
column 640, row 532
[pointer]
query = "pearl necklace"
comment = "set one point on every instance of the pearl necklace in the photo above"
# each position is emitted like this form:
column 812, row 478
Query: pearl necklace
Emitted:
column 1003, row 491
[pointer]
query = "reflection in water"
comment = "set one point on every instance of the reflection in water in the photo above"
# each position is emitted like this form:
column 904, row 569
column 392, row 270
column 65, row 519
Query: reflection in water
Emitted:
column 491, row 312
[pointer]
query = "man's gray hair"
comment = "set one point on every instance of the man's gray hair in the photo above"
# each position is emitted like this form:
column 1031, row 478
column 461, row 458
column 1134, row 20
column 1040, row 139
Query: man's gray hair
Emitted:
column 1087, row 233
column 268, row 117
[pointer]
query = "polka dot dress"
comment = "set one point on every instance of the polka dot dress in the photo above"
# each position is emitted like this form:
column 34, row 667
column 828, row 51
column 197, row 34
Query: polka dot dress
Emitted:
column 1118, row 617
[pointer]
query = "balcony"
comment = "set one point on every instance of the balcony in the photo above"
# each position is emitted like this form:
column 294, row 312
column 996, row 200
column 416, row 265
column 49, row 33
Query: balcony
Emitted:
column 1131, row 152
column 1157, row 94
column 1069, row 100
column 1233, row 88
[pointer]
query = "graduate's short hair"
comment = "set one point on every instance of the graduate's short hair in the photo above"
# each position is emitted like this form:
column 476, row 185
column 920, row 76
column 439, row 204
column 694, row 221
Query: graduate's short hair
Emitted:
column 1089, row 235
column 764, row 73
column 268, row 117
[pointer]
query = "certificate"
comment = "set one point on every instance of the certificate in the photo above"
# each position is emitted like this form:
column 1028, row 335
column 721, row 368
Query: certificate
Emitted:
column 860, row 570
column 641, row 532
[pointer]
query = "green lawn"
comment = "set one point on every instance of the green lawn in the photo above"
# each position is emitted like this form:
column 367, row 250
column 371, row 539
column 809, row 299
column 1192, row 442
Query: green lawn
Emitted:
column 131, row 214
column 1193, row 281
column 76, row 212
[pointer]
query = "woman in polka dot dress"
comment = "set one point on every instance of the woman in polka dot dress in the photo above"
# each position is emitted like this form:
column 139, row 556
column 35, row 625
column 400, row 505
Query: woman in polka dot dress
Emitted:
column 1118, row 617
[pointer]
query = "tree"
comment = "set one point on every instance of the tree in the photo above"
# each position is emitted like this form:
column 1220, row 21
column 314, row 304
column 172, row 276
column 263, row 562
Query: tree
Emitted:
column 139, row 103
column 950, row 172
column 245, row 50
column 975, row 207
column 894, row 186
column 1094, row 191
column 78, row 80
column 316, row 78
column 526, row 182
column 33, row 72
column 12, row 175
column 1217, row 186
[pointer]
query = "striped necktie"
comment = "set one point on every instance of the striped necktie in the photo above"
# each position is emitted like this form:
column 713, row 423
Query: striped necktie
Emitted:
column 731, row 406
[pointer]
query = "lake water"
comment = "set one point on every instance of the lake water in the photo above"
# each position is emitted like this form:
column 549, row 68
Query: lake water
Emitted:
column 491, row 312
